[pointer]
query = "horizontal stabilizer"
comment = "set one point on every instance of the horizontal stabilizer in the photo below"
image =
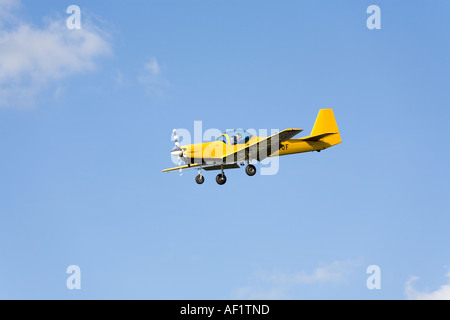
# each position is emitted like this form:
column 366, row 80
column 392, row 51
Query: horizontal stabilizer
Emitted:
column 317, row 137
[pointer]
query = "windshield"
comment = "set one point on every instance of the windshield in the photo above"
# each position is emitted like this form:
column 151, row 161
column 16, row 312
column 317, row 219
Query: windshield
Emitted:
column 222, row 138
column 237, row 136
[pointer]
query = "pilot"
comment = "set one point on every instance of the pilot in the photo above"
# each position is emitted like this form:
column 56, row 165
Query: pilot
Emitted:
column 236, row 138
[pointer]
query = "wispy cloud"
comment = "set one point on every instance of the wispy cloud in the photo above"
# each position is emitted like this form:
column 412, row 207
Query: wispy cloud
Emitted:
column 152, row 80
column 152, row 67
column 252, row 293
column 335, row 272
column 119, row 78
column 6, row 10
column 443, row 293
column 276, row 285
column 32, row 58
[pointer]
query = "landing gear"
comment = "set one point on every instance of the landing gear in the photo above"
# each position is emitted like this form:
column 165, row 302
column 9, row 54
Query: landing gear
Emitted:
column 199, row 179
column 221, row 179
column 250, row 170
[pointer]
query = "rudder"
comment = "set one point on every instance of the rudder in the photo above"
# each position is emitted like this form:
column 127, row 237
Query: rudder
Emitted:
column 326, row 124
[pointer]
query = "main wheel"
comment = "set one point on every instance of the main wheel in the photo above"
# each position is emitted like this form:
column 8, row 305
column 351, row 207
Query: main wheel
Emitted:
column 250, row 170
column 221, row 179
column 199, row 179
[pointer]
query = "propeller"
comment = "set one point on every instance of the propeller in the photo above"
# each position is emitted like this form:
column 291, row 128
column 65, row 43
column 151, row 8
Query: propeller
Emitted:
column 177, row 151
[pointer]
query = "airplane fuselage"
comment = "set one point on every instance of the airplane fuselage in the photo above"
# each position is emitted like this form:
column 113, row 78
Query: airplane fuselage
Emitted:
column 214, row 152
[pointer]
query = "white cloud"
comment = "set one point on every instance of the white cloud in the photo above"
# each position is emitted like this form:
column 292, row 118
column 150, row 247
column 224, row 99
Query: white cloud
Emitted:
column 335, row 272
column 152, row 80
column 443, row 293
column 153, row 67
column 6, row 8
column 118, row 77
column 275, row 285
column 32, row 59
column 251, row 293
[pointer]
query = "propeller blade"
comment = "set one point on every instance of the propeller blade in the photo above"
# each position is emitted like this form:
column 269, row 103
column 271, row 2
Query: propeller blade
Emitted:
column 175, row 138
column 177, row 151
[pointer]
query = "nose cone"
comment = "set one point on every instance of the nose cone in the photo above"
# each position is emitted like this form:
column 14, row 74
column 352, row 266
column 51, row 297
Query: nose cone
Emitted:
column 177, row 152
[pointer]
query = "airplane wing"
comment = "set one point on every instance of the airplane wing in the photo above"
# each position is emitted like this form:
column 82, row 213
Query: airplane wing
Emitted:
column 263, row 148
column 188, row 166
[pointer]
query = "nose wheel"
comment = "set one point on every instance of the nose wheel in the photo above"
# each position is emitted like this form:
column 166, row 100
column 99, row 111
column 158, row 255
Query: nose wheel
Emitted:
column 221, row 179
column 250, row 170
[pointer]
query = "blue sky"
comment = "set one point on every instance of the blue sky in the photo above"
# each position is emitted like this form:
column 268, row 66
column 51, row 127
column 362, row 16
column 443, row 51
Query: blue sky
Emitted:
column 85, row 128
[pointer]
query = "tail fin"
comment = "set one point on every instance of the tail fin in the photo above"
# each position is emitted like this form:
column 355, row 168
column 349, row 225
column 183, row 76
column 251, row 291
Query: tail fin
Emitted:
column 326, row 127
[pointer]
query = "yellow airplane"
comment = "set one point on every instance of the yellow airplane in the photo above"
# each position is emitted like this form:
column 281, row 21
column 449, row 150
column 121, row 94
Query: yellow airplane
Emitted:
column 237, row 147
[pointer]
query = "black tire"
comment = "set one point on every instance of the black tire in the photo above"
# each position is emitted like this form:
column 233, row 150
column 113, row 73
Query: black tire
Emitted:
column 199, row 179
column 221, row 179
column 250, row 170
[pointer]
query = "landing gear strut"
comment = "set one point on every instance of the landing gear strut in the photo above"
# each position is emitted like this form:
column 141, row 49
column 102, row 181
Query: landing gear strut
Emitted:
column 250, row 170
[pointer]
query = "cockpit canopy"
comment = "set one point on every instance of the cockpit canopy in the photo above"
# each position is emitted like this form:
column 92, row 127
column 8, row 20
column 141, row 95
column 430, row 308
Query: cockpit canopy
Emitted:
column 236, row 136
